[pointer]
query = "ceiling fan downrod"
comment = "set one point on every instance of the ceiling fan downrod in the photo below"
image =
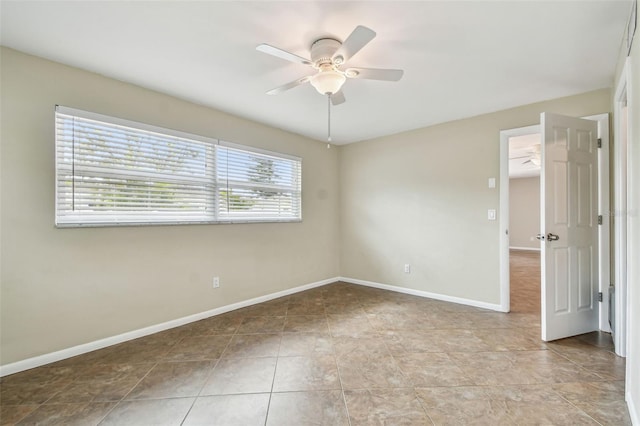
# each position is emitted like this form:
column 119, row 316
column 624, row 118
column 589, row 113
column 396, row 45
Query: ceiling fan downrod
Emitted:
column 328, row 120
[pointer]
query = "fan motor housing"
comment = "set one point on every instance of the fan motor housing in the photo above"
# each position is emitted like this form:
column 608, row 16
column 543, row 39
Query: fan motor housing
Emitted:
column 322, row 50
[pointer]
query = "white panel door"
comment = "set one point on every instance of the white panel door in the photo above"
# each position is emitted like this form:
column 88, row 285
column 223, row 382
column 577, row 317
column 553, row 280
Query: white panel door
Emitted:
column 569, row 226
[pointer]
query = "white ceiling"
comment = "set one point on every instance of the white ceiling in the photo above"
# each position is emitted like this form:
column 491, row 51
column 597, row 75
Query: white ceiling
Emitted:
column 522, row 149
column 461, row 58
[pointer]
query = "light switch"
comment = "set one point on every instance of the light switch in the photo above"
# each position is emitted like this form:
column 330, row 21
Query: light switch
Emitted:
column 491, row 214
column 492, row 182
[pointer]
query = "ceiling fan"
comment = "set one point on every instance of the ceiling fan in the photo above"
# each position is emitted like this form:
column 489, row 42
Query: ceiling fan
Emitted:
column 328, row 57
column 532, row 155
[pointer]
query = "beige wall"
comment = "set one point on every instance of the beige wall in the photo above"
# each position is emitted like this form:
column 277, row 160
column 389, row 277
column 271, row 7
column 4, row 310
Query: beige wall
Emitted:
column 64, row 287
column 524, row 212
column 421, row 197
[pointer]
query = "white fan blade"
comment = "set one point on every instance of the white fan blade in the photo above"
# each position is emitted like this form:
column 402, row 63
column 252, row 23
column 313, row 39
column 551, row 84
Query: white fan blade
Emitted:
column 288, row 86
column 338, row 98
column 352, row 45
column 374, row 74
column 282, row 54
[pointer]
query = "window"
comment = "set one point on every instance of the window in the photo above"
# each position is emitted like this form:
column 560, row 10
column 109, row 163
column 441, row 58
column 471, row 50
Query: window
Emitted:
column 115, row 172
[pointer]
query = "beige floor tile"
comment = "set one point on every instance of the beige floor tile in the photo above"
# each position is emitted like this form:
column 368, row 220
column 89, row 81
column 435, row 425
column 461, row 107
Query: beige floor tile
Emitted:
column 306, row 373
column 137, row 351
column 613, row 413
column 464, row 405
column 241, row 375
column 538, row 404
column 173, row 380
column 314, row 307
column 441, row 340
column 29, row 392
column 44, row 375
column 198, row 348
column 591, row 391
column 306, row 344
column 272, row 308
column 366, row 346
column 431, row 369
column 256, row 325
column 81, row 414
column 222, row 324
column 156, row 412
column 229, row 410
column 511, row 339
column 403, row 321
column 385, row 407
column 384, row 352
column 306, row 324
column 252, row 346
column 12, row 414
column 371, row 372
column 109, row 382
column 315, row 408
column 350, row 326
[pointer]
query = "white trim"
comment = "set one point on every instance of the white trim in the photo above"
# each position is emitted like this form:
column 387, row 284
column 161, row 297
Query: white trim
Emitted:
column 633, row 410
column 420, row 293
column 40, row 360
column 604, row 250
column 133, row 124
column 620, row 211
column 524, row 248
column 633, row 245
column 274, row 154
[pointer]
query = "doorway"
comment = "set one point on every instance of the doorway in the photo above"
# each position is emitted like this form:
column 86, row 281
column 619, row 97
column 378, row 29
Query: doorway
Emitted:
column 603, row 206
column 524, row 223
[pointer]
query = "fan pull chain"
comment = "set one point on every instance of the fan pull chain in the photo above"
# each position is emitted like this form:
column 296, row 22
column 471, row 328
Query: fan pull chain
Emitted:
column 328, row 120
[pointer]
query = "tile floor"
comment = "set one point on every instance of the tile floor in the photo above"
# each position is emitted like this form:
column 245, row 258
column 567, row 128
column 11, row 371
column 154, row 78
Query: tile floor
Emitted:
column 337, row 355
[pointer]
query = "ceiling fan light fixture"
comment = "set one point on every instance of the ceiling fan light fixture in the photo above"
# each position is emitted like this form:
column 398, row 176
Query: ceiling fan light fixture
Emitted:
column 328, row 81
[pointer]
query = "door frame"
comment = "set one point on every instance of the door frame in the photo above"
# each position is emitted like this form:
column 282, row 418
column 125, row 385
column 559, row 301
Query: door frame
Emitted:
column 621, row 203
column 603, row 208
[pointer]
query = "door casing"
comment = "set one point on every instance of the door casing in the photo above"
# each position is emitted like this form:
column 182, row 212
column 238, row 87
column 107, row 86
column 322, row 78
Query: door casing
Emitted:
column 603, row 209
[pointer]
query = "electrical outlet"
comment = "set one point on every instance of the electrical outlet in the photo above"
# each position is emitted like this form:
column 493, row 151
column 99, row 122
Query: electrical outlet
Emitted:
column 216, row 282
column 407, row 268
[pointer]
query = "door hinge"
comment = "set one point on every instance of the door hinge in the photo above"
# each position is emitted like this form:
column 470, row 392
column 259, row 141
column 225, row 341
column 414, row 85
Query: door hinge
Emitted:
column 599, row 143
column 599, row 219
column 599, row 296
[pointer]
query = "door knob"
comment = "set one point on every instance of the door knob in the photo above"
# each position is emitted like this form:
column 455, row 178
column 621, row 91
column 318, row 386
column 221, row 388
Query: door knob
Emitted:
column 540, row 237
column 552, row 237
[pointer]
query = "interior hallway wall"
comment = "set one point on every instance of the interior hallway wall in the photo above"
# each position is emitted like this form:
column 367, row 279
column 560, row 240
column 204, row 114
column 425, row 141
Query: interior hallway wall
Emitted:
column 524, row 212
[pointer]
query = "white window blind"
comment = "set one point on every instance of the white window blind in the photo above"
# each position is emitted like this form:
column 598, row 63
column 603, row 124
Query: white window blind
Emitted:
column 252, row 185
column 111, row 171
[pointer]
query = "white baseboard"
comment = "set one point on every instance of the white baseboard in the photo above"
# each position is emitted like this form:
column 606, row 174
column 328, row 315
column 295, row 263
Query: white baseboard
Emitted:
column 633, row 410
column 40, row 360
column 525, row 248
column 436, row 296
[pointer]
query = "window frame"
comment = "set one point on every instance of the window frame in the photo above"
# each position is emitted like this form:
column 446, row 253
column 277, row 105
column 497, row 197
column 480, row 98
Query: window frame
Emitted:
column 66, row 219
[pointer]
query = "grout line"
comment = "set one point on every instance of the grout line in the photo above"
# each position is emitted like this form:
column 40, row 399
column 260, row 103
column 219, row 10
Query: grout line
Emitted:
column 377, row 333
